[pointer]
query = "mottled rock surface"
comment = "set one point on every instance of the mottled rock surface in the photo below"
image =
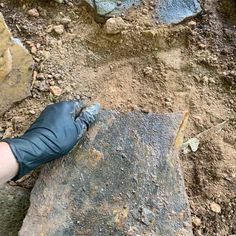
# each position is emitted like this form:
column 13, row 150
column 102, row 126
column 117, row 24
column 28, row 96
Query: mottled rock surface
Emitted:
column 110, row 7
column 125, row 179
column 166, row 11
column 15, row 72
column 175, row 11
column 14, row 202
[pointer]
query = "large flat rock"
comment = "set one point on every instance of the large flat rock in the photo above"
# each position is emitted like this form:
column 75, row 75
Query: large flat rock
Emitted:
column 124, row 179
column 15, row 69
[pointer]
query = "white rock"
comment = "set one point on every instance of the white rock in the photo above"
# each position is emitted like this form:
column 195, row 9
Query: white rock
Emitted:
column 196, row 221
column 215, row 207
column 59, row 29
column 65, row 21
column 114, row 25
column 33, row 12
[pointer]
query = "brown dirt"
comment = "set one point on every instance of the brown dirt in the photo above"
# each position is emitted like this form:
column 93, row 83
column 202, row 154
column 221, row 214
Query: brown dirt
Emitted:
column 149, row 68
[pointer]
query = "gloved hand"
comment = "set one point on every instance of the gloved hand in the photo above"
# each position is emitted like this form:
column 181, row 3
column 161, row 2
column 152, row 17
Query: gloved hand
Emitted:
column 57, row 130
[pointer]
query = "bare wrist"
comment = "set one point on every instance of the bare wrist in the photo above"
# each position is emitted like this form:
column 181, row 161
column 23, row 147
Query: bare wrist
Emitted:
column 8, row 164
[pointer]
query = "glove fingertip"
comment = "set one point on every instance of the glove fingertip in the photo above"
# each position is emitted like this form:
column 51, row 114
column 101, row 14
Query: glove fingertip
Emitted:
column 89, row 115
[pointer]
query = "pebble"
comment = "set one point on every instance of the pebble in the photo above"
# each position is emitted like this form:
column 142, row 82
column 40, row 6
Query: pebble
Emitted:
column 40, row 76
column 196, row 221
column 202, row 45
column 33, row 50
column 41, row 85
column 58, row 29
column 46, row 54
column 145, row 11
column 215, row 207
column 32, row 112
column 55, row 90
column 192, row 23
column 65, row 21
column 148, row 71
column 33, row 12
column 114, row 25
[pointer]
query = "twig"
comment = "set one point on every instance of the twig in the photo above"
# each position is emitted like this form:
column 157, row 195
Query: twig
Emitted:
column 215, row 128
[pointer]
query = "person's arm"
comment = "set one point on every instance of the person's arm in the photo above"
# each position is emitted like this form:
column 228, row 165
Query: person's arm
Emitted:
column 56, row 131
column 8, row 164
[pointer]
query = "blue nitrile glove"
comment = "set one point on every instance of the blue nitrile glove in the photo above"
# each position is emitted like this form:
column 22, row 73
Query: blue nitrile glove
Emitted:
column 57, row 130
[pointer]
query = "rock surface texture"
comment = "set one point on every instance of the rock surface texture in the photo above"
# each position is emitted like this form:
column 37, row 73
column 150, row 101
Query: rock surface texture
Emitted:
column 175, row 11
column 15, row 72
column 14, row 202
column 166, row 11
column 125, row 179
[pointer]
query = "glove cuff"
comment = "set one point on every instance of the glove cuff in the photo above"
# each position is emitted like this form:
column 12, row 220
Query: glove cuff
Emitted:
column 23, row 168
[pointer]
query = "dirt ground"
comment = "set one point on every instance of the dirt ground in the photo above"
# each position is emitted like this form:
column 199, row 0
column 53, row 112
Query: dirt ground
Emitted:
column 148, row 68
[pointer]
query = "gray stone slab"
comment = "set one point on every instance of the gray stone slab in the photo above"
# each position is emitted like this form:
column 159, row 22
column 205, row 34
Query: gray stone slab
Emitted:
column 110, row 8
column 166, row 11
column 15, row 69
column 14, row 203
column 124, row 179
column 175, row 11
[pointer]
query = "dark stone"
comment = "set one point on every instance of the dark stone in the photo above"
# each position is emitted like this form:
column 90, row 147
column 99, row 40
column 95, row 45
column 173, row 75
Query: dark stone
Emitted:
column 125, row 179
column 14, row 203
column 175, row 11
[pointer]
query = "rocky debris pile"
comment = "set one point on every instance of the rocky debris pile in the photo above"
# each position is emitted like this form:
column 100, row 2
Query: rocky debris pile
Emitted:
column 125, row 179
column 15, row 69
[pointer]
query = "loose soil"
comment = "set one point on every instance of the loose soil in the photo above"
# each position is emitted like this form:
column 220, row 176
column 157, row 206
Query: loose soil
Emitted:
column 149, row 68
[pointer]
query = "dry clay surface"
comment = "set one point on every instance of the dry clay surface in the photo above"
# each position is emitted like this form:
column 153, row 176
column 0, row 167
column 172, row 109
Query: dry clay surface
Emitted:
column 146, row 67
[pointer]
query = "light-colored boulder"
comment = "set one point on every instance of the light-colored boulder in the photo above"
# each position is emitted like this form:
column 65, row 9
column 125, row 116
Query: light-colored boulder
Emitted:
column 15, row 69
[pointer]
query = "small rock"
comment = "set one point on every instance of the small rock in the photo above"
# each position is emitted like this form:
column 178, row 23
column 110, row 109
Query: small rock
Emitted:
column 40, row 76
column 46, row 54
column 191, row 145
column 114, row 25
column 58, row 29
column 2, row 5
column 119, row 3
column 196, row 221
column 32, row 112
column 65, row 21
column 148, row 71
column 49, row 28
column 145, row 11
column 41, row 86
column 33, row 12
column 215, row 207
column 59, row 1
column 55, row 90
column 192, row 23
column 205, row 79
column 33, row 50
column 202, row 45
